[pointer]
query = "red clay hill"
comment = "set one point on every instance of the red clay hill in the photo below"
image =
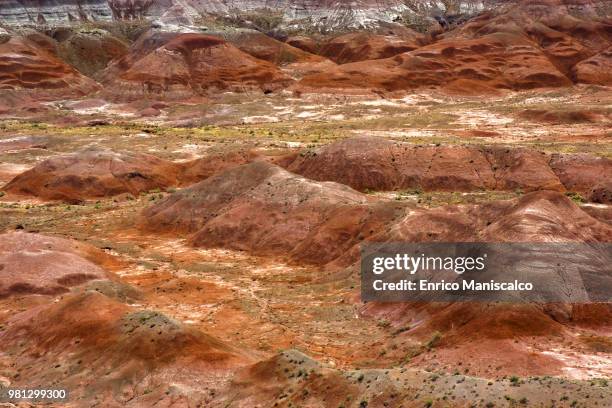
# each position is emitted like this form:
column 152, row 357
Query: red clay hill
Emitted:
column 374, row 163
column 175, row 66
column 68, row 319
column 362, row 46
column 88, row 342
column 27, row 65
column 95, row 173
column 39, row 264
column 263, row 209
column 530, row 45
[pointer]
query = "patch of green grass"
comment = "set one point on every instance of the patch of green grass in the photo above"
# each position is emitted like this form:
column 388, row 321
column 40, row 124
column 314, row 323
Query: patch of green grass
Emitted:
column 575, row 197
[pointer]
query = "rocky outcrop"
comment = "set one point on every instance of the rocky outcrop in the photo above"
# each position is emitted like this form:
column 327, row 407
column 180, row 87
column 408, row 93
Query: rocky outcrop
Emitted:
column 320, row 15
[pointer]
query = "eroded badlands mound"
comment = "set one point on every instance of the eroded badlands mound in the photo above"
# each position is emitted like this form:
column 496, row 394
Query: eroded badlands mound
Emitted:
column 480, row 65
column 528, row 46
column 95, row 173
column 269, row 49
column 373, row 163
column 292, row 378
column 218, row 159
column 261, row 208
column 128, row 354
column 488, row 49
column 363, row 46
column 40, row 264
column 266, row 210
column 64, row 314
column 203, row 270
column 175, row 66
column 581, row 172
column 543, row 216
column 25, row 64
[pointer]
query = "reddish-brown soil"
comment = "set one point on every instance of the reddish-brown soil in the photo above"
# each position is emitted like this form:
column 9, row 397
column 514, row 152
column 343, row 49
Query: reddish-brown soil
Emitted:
column 268, row 49
column 522, row 48
column 40, row 264
column 261, row 208
column 95, row 173
column 128, row 354
column 16, row 103
column 541, row 216
column 186, row 65
column 581, row 172
column 601, row 193
column 373, row 163
column 224, row 271
column 363, row 46
column 480, row 65
column 218, row 159
column 563, row 117
column 595, row 70
column 563, row 35
column 304, row 43
column 26, row 65
column 24, row 142
column 295, row 62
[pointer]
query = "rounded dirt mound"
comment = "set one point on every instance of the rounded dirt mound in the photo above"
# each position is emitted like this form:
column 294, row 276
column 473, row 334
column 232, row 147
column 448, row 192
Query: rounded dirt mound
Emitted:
column 22, row 143
column 123, row 355
column 268, row 49
column 595, row 70
column 26, row 65
column 93, row 173
column 218, row 159
column 381, row 164
column 542, row 216
column 562, row 117
column 492, row 62
column 581, row 172
column 183, row 65
column 303, row 43
column 523, row 46
column 363, row 46
column 40, row 264
column 89, row 50
column 261, row 208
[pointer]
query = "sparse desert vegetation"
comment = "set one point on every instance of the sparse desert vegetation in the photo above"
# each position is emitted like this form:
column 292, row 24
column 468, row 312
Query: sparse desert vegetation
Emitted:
column 184, row 194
